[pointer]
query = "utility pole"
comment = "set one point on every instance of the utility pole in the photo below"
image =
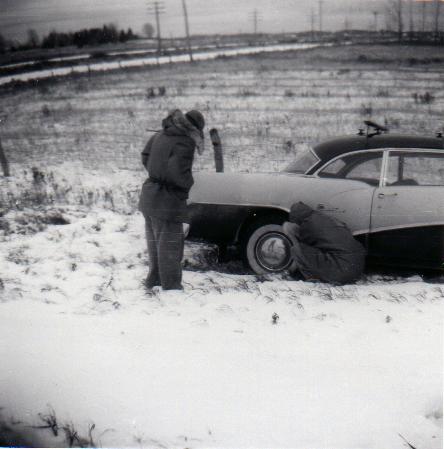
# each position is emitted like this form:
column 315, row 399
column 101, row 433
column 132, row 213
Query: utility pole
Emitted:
column 411, row 16
column 312, row 23
column 375, row 14
column 157, row 8
column 346, row 24
column 321, row 4
column 187, row 29
column 3, row 160
column 437, row 13
column 423, row 4
column 256, row 17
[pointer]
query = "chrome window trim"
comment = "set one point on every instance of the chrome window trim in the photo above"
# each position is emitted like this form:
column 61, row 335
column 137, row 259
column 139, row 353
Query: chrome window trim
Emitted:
column 384, row 169
column 318, row 159
column 373, row 150
column 407, row 150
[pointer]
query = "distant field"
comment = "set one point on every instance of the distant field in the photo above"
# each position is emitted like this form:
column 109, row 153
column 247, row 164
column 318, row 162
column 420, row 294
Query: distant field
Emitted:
column 266, row 107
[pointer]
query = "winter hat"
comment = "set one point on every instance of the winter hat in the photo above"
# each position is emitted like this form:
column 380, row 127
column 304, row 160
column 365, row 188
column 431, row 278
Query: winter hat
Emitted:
column 299, row 212
column 196, row 118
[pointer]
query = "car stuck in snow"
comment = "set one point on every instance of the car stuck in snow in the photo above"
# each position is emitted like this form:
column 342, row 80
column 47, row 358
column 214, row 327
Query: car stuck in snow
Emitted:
column 387, row 188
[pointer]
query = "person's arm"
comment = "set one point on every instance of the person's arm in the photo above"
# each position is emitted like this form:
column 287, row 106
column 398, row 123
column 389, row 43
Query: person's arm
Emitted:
column 180, row 163
column 146, row 152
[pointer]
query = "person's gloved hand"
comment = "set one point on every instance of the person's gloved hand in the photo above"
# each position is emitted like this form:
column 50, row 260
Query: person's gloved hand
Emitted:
column 186, row 229
column 291, row 229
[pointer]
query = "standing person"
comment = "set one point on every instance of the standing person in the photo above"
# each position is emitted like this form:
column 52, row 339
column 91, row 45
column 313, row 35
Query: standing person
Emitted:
column 168, row 157
column 324, row 248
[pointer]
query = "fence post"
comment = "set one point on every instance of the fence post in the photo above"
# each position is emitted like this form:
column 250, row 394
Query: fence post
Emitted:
column 218, row 153
column 4, row 161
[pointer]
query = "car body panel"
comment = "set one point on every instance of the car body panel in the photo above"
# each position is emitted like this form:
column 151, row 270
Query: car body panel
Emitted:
column 407, row 226
column 237, row 193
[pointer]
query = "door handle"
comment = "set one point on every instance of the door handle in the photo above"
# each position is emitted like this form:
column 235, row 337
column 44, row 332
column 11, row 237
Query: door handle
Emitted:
column 384, row 195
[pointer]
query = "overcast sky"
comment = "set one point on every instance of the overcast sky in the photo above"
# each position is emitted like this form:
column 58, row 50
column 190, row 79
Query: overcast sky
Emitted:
column 206, row 16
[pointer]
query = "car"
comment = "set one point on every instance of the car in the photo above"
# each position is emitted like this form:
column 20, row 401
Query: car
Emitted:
column 387, row 188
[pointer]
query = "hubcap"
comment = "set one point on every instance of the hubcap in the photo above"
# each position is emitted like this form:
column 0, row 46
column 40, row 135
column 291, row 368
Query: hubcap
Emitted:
column 273, row 251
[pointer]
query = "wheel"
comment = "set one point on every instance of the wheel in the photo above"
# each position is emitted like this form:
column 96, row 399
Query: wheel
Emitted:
column 267, row 249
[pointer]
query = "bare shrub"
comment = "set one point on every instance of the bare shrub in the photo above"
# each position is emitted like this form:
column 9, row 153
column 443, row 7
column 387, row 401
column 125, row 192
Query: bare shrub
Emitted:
column 289, row 147
column 247, row 93
column 75, row 440
column 425, row 98
column 366, row 110
column 384, row 93
column 45, row 110
column 49, row 422
column 37, row 176
column 81, row 86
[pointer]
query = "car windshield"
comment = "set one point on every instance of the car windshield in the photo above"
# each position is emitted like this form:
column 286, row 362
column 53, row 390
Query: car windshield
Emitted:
column 303, row 162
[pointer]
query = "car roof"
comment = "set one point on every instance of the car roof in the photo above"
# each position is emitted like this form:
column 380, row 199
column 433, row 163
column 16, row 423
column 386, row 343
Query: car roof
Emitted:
column 332, row 148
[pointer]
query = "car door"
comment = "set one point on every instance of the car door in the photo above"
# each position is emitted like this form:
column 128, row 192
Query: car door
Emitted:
column 407, row 219
column 357, row 175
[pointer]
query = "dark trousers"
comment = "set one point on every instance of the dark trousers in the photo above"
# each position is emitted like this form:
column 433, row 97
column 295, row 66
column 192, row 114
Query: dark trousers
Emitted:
column 165, row 242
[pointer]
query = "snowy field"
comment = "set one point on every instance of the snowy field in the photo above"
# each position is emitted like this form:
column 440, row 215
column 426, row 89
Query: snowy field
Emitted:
column 89, row 358
column 338, row 367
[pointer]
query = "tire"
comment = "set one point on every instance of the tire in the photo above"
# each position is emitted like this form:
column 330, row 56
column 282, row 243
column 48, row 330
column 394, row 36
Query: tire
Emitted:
column 267, row 249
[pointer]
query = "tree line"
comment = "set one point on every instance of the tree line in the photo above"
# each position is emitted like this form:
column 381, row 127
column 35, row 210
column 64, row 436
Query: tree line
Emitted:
column 85, row 37
column 408, row 18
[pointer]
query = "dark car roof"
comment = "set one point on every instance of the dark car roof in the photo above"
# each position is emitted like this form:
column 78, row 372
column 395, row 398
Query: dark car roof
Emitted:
column 329, row 149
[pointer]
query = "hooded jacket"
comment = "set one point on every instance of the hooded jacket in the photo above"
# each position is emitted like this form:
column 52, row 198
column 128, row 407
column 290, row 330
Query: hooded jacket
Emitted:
column 168, row 157
column 329, row 251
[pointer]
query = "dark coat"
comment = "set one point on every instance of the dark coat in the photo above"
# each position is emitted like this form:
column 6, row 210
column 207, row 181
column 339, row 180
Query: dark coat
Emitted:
column 168, row 157
column 328, row 250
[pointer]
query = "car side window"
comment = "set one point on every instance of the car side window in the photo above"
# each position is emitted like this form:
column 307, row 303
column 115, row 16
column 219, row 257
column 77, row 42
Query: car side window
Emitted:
column 415, row 168
column 364, row 167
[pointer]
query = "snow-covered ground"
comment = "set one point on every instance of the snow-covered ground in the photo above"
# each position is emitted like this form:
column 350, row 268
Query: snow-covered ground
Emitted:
column 88, row 357
column 86, row 349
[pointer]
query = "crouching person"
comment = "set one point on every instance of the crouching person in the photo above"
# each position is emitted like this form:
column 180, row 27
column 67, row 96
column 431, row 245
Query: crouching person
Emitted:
column 168, row 157
column 323, row 248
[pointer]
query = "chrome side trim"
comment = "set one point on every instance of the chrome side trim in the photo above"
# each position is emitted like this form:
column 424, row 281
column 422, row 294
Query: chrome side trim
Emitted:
column 407, row 226
column 240, row 205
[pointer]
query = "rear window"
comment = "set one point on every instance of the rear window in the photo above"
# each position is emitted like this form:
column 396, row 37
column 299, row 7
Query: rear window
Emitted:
column 303, row 162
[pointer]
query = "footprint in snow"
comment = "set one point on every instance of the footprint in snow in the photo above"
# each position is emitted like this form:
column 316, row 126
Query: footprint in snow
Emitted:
column 201, row 323
column 224, row 309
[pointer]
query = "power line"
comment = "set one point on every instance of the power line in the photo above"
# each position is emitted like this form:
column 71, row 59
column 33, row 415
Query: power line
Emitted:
column 157, row 8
